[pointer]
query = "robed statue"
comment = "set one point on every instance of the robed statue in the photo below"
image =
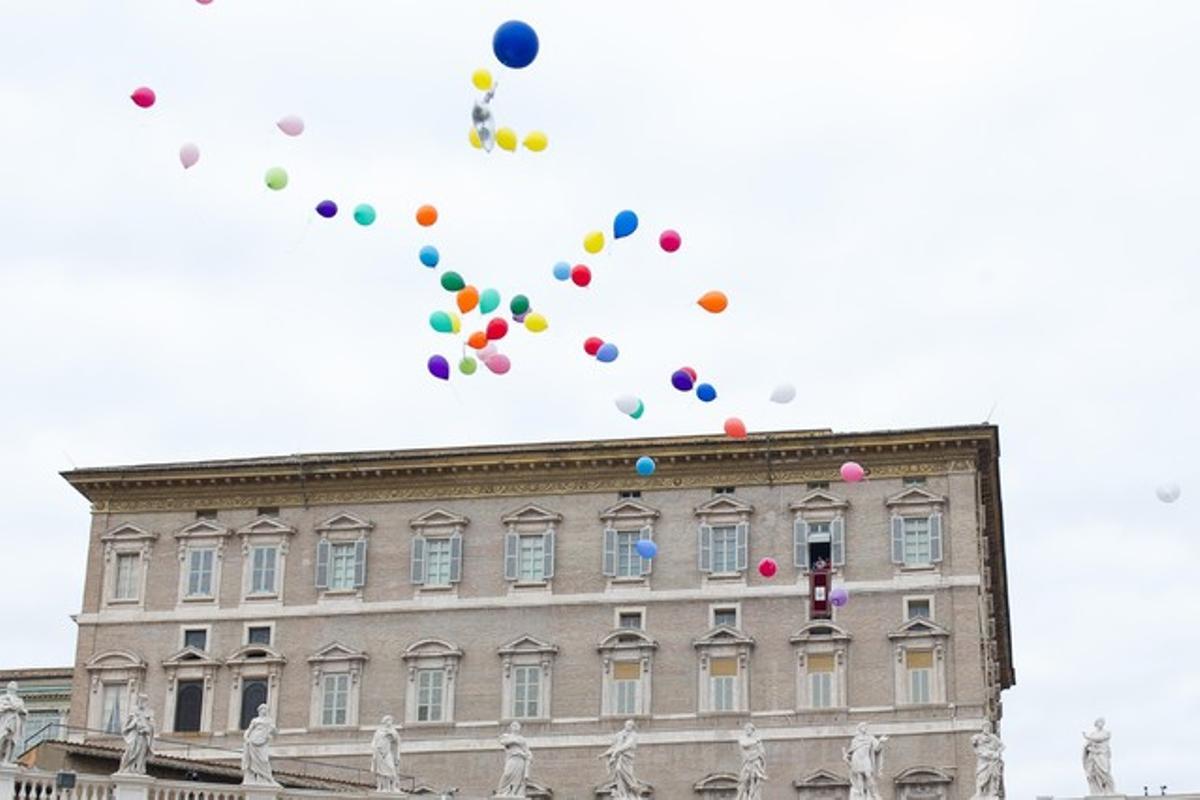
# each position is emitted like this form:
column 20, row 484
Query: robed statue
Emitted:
column 385, row 756
column 517, row 758
column 138, row 732
column 12, row 724
column 619, row 756
column 865, row 759
column 989, row 766
column 754, row 765
column 1097, row 760
column 256, row 752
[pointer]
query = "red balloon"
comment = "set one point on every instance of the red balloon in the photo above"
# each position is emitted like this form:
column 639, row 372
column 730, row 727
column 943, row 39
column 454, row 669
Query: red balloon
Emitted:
column 581, row 275
column 767, row 567
column 496, row 328
column 143, row 97
column 735, row 428
column 592, row 345
column 691, row 372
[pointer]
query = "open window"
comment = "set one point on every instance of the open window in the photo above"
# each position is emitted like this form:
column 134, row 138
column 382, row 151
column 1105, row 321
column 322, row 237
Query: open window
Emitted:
column 819, row 531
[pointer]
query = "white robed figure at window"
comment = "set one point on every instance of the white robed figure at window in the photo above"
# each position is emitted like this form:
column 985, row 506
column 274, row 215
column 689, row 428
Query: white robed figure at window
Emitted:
column 138, row 732
column 1097, row 760
column 989, row 766
column 625, row 786
column 385, row 756
column 12, row 724
column 754, row 765
column 517, row 758
column 256, row 752
column 865, row 758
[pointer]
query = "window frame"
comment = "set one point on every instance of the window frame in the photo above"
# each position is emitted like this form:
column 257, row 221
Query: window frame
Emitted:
column 908, row 600
column 344, row 532
column 253, row 662
column 264, row 532
column 437, row 655
column 723, row 511
column 335, row 660
column 526, row 652
column 620, row 611
column 626, row 645
column 627, row 516
column 112, row 667
column 248, row 626
column 820, row 507
column 186, row 665
column 911, row 503
column 812, row 640
column 716, row 608
column 184, row 630
column 529, row 523
column 127, row 539
column 722, row 645
column 436, row 525
column 920, row 634
column 199, row 537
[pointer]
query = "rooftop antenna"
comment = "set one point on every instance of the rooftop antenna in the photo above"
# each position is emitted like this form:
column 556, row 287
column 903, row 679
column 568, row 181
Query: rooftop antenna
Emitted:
column 991, row 410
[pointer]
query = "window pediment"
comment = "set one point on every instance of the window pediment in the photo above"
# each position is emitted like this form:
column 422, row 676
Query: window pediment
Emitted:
column 255, row 654
column 919, row 628
column 266, row 526
column 190, row 657
column 723, row 635
column 435, row 648
column 128, row 532
column 439, row 521
column 818, row 500
column 345, row 521
column 821, row 779
column 531, row 517
column 337, row 652
column 527, row 644
column 115, row 659
column 627, row 639
column 724, row 507
column 716, row 781
column 922, row 775
column 820, row 631
column 914, row 497
column 629, row 511
column 202, row 529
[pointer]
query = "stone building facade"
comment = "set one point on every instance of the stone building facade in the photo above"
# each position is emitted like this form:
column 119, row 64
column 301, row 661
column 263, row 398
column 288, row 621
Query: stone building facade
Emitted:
column 46, row 692
column 459, row 589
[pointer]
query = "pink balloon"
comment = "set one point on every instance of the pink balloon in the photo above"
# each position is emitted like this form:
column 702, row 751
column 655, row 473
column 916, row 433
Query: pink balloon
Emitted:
column 203, row 2
column 498, row 364
column 670, row 241
column 143, row 97
column 487, row 352
column 189, row 154
column 291, row 125
column 852, row 472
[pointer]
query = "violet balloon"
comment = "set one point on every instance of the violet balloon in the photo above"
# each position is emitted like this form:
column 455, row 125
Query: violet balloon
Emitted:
column 439, row 367
column 327, row 209
column 839, row 597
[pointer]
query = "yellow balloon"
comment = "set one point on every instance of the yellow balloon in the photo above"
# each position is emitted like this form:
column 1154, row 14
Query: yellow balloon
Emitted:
column 536, row 323
column 507, row 139
column 536, row 141
column 474, row 137
column 482, row 80
column 455, row 322
column 593, row 242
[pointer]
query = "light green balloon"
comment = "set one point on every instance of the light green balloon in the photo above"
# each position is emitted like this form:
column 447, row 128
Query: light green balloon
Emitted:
column 440, row 321
column 489, row 301
column 276, row 178
column 468, row 366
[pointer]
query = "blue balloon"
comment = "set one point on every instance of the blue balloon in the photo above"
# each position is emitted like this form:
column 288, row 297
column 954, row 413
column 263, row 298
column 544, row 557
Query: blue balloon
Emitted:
column 645, row 465
column 646, row 548
column 429, row 256
column 515, row 44
column 625, row 224
column 706, row 392
column 562, row 270
column 327, row 208
column 681, row 380
column 607, row 352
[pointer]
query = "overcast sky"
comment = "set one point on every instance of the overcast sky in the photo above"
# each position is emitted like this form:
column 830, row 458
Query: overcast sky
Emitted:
column 922, row 213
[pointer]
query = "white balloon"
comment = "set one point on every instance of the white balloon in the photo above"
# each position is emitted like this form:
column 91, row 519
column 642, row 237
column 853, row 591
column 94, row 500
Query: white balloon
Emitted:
column 189, row 154
column 627, row 403
column 291, row 125
column 1168, row 492
column 784, row 393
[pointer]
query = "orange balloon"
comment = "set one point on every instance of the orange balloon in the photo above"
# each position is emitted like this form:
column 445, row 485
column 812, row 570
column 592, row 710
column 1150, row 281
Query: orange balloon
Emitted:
column 468, row 298
column 478, row 340
column 715, row 302
column 426, row 216
column 735, row 428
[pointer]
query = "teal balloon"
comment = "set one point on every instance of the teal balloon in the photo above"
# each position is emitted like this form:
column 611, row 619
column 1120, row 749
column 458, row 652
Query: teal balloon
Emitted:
column 364, row 214
column 519, row 304
column 625, row 224
column 440, row 321
column 637, row 412
column 452, row 281
column 489, row 301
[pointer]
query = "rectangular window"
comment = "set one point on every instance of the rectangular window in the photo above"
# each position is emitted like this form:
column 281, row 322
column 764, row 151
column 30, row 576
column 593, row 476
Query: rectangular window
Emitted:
column 341, row 565
column 113, row 709
column 723, row 490
column 262, row 569
column 268, row 511
column 531, row 558
column 196, row 637
column 200, row 571
column 917, row 541
column 813, row 485
column 722, row 673
column 820, row 680
column 915, row 480
column 125, row 584
column 629, row 494
column 629, row 563
column 627, row 677
column 335, row 698
column 430, row 683
column 920, row 672
column 259, row 634
column 206, row 513
column 41, row 725
column 630, row 619
column 917, row 608
column 526, row 686
column 725, row 616
column 437, row 562
column 724, row 549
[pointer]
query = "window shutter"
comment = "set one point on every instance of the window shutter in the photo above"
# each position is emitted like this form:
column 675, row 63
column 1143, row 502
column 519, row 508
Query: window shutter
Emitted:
column 646, row 533
column 610, row 552
column 800, row 543
column 360, row 563
column 897, row 540
column 935, row 538
column 511, row 543
column 418, row 559
column 548, row 548
column 455, row 557
column 322, row 563
column 705, row 547
column 743, row 536
column 837, row 535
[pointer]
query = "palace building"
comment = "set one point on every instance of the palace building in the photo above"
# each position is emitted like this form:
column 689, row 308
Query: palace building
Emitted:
column 460, row 589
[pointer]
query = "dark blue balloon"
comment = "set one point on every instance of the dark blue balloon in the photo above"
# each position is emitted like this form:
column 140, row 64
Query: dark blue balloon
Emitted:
column 429, row 256
column 625, row 224
column 515, row 44
column 327, row 208
column 681, row 380
column 706, row 392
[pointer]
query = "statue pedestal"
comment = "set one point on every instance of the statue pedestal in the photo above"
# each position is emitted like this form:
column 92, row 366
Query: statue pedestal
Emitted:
column 131, row 787
column 8, row 780
column 508, row 797
column 261, row 791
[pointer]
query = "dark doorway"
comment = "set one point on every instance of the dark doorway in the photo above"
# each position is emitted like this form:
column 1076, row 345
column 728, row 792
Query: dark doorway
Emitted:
column 254, row 694
column 189, row 700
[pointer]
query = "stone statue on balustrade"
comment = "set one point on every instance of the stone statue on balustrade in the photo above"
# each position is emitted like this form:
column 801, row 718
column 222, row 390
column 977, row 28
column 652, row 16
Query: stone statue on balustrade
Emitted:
column 864, row 756
column 12, row 724
column 385, row 756
column 622, row 783
column 1097, row 760
column 517, row 760
column 989, row 766
column 138, row 732
column 754, row 765
column 256, row 751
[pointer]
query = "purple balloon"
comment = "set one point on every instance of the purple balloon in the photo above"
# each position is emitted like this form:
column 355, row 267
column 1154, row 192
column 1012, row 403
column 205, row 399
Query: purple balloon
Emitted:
column 839, row 597
column 519, row 317
column 681, row 380
column 439, row 368
column 327, row 208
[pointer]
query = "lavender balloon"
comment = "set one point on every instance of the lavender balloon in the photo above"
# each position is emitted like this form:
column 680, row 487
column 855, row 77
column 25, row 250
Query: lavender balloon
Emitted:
column 839, row 597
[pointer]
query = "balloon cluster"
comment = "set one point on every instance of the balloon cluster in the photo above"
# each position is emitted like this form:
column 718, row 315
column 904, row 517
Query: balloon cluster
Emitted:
column 515, row 45
column 602, row 351
column 633, row 406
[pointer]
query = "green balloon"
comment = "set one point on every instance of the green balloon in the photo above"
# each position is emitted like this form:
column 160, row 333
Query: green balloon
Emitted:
column 440, row 321
column 276, row 178
column 519, row 304
column 364, row 214
column 468, row 366
column 489, row 301
column 637, row 412
column 452, row 281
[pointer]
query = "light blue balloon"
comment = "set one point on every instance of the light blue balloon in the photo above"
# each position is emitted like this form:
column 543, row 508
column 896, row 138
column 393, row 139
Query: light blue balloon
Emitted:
column 645, row 466
column 625, row 224
column 646, row 548
column 430, row 256
column 608, row 352
column 562, row 270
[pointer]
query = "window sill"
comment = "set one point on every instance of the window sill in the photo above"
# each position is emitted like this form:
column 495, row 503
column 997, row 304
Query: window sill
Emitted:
column 198, row 599
column 261, row 597
column 906, row 569
column 621, row 584
column 340, row 595
column 124, row 603
column 441, row 723
column 710, row 714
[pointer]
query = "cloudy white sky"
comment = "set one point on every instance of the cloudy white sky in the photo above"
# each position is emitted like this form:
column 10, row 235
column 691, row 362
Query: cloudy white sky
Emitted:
column 922, row 213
